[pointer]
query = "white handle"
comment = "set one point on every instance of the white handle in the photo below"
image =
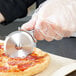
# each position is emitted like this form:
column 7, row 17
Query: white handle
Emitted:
column 30, row 33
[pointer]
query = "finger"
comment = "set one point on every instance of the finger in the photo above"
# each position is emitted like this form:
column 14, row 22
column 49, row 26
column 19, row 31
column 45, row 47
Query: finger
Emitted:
column 29, row 25
column 38, row 35
column 67, row 33
column 47, row 30
column 48, row 39
column 59, row 31
column 50, row 34
column 57, row 37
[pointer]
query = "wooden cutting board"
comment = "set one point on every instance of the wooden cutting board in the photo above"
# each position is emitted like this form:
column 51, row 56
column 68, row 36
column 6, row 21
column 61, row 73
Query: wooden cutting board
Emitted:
column 56, row 63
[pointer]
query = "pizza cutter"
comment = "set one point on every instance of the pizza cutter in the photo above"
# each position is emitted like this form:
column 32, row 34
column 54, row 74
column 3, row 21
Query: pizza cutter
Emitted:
column 19, row 44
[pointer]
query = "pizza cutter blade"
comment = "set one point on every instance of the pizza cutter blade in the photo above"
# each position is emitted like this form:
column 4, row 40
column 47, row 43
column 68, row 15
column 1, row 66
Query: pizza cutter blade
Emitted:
column 18, row 44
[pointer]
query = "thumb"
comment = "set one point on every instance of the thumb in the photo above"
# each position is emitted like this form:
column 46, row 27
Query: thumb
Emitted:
column 29, row 25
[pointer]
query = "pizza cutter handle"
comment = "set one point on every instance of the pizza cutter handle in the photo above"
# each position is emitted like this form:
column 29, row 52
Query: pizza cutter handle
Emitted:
column 31, row 33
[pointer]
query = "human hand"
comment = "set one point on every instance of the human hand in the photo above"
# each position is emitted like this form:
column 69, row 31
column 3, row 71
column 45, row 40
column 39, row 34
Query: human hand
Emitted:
column 53, row 20
column 1, row 18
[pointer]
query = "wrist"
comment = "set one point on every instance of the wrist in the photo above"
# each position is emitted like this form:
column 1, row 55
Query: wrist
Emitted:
column 1, row 18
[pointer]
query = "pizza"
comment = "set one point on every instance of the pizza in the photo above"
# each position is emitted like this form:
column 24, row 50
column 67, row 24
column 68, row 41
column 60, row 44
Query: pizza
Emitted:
column 34, row 63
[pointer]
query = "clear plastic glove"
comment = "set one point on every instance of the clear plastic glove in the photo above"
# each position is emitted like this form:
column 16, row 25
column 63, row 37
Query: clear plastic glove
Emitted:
column 54, row 19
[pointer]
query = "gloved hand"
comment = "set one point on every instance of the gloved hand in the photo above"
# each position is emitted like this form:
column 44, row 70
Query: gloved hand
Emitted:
column 54, row 19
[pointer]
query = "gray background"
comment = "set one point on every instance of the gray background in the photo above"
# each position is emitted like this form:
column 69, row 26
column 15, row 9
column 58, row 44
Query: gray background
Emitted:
column 65, row 47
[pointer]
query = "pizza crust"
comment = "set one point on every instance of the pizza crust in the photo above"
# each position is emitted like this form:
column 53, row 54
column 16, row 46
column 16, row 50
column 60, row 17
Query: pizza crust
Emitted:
column 32, row 70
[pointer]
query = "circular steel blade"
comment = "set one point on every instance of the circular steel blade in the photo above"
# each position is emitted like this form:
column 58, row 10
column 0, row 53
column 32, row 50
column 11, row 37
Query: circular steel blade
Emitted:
column 18, row 44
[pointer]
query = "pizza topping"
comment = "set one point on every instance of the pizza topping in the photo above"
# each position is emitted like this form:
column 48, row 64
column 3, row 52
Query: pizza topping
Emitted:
column 15, row 62
column 38, row 52
column 3, row 54
column 0, row 60
column 1, row 46
column 13, row 69
column 31, row 57
column 23, row 67
column 3, row 68
column 12, row 63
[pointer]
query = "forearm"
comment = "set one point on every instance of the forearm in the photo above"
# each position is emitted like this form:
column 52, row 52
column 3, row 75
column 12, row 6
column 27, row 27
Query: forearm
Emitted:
column 1, row 18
